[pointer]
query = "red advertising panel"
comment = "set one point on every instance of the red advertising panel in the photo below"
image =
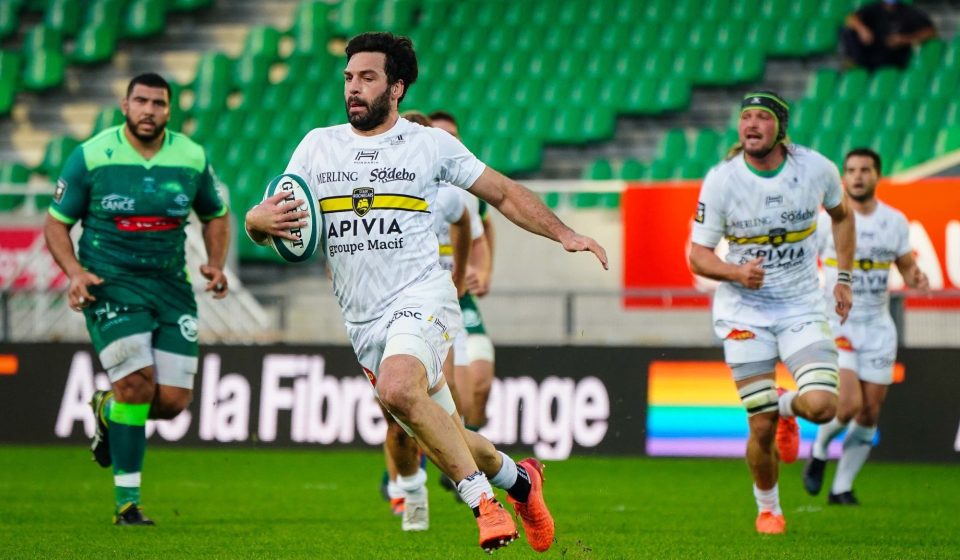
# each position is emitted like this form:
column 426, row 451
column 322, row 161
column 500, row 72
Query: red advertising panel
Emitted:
column 24, row 261
column 656, row 228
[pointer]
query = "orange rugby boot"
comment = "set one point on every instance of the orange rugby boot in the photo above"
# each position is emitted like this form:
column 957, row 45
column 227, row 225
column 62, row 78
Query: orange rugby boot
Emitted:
column 497, row 529
column 536, row 518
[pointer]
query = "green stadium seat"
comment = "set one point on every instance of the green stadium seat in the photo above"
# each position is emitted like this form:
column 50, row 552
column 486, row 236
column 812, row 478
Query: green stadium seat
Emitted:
column 145, row 18
column 95, row 44
column 598, row 170
column 105, row 12
column 55, row 155
column 9, row 18
column 888, row 144
column 551, row 199
column 703, row 35
column 928, row 56
column 822, row 84
column 930, row 113
column 598, row 124
column 789, row 38
column 673, row 145
column 632, row 170
column 917, row 147
column 14, row 174
column 107, row 117
column 523, row 155
column 884, row 83
column 584, row 200
column 867, row 113
column 729, row 33
column 836, row 115
column 536, row 121
column 717, row 68
column 44, row 70
column 856, row 138
column 640, row 97
column 616, row 37
column 690, row 169
column 827, row 143
column 820, row 37
column 913, row 86
column 802, row 10
column 899, row 115
column 773, row 11
column 660, row 170
column 567, row 126
column 189, row 5
column 748, row 66
column 250, row 75
column 673, row 95
column 805, row 117
column 9, row 79
column 355, row 16
column 706, row 146
column 262, row 41
column 42, row 38
column 212, row 82
column 311, row 26
column 948, row 140
column 398, row 16
column 943, row 85
column 717, row 10
column 853, row 84
column 64, row 16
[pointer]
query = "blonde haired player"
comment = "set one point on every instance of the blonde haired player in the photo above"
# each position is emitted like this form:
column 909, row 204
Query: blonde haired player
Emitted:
column 765, row 199
column 867, row 342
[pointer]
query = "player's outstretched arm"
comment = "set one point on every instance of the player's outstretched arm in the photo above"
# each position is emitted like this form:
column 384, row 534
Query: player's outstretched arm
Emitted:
column 525, row 209
column 845, row 241
column 275, row 217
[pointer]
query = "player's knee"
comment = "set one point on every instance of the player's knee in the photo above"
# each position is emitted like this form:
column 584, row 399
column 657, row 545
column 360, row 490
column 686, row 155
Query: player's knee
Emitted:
column 820, row 406
column 135, row 387
column 847, row 410
column 170, row 405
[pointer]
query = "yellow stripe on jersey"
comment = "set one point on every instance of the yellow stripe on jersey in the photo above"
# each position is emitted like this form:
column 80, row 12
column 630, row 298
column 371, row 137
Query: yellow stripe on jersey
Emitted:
column 862, row 264
column 446, row 250
column 380, row 202
column 775, row 238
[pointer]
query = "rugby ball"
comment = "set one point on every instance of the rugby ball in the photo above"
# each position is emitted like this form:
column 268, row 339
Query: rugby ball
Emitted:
column 308, row 236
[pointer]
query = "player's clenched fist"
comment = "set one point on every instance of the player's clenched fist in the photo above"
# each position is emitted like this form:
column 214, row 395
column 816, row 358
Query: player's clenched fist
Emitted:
column 751, row 274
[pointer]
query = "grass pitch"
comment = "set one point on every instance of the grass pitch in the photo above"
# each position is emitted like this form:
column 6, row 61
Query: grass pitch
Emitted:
column 56, row 503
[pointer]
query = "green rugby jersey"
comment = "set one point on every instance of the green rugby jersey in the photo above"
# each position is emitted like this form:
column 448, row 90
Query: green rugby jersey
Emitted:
column 134, row 210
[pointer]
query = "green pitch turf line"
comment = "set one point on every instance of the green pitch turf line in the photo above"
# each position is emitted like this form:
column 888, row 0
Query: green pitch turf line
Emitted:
column 317, row 503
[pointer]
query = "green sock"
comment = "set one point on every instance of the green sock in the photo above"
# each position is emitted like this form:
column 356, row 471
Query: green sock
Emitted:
column 128, row 443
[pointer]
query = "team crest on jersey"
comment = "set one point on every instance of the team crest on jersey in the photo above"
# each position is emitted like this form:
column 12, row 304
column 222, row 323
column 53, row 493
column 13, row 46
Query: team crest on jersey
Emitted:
column 778, row 236
column 362, row 200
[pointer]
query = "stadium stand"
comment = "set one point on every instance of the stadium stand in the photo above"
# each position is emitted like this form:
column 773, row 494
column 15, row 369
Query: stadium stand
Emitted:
column 519, row 76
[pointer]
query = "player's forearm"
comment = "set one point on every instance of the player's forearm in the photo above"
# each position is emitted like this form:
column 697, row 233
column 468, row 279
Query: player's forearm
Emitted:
column 216, row 238
column 844, row 239
column 524, row 208
column 57, row 235
column 704, row 262
column 490, row 236
column 480, row 257
column 460, row 239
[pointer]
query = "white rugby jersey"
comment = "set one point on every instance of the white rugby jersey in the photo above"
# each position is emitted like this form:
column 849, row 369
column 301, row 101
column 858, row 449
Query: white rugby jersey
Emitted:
column 450, row 206
column 770, row 217
column 376, row 194
column 882, row 237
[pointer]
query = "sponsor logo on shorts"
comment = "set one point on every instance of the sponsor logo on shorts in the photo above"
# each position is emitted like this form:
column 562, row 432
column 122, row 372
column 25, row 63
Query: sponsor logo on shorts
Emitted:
column 370, row 376
column 843, row 343
column 440, row 326
column 737, row 334
column 189, row 327
column 408, row 313
column 117, row 203
column 362, row 200
column 882, row 363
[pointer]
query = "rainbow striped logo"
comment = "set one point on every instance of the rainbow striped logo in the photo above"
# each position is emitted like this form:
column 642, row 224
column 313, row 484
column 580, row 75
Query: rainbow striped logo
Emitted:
column 693, row 410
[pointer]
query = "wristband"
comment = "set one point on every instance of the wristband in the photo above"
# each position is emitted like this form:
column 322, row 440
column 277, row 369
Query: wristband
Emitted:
column 845, row 277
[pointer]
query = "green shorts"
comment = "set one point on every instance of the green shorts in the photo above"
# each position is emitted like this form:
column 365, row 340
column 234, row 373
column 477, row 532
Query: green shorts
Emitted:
column 141, row 321
column 472, row 320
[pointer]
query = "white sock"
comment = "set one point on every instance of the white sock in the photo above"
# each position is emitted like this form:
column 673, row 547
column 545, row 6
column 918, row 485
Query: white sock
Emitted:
column 506, row 477
column 786, row 404
column 856, row 449
column 414, row 486
column 825, row 434
column 393, row 490
column 473, row 487
column 768, row 500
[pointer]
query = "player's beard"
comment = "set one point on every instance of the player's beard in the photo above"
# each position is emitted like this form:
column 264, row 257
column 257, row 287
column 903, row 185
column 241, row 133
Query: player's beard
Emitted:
column 146, row 138
column 866, row 195
column 376, row 114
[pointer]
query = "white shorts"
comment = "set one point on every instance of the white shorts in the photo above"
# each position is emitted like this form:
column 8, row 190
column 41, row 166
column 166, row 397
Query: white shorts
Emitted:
column 427, row 313
column 745, row 344
column 461, row 358
column 868, row 348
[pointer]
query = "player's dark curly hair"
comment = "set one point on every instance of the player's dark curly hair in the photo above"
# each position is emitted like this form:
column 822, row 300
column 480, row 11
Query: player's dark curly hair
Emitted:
column 401, row 62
